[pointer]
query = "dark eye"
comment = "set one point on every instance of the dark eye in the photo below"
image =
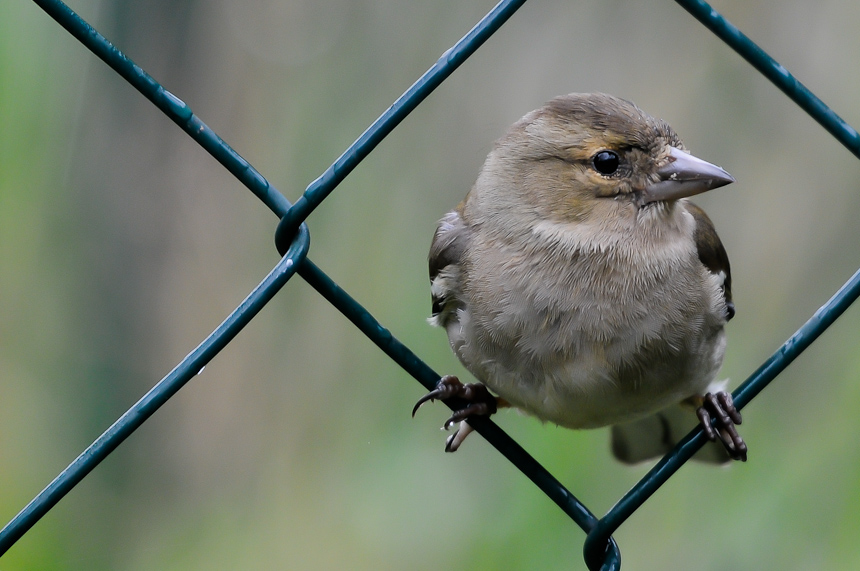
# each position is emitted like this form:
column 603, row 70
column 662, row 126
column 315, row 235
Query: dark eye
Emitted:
column 605, row 162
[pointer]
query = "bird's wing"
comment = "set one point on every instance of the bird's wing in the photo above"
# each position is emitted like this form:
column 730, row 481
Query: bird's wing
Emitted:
column 446, row 251
column 658, row 433
column 712, row 253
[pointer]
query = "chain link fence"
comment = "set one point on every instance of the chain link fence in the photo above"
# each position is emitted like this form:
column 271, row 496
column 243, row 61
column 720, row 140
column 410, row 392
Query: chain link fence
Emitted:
column 292, row 239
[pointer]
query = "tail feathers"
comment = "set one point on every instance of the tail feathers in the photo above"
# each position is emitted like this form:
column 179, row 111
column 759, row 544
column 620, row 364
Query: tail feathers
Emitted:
column 655, row 435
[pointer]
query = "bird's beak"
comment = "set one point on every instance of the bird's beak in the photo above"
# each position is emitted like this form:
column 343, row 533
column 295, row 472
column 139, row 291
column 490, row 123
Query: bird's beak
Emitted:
column 685, row 175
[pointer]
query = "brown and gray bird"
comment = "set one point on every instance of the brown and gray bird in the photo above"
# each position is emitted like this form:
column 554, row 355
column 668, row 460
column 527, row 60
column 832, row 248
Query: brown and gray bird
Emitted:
column 578, row 284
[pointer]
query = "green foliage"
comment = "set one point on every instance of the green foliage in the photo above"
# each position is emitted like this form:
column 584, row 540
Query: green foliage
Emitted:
column 122, row 244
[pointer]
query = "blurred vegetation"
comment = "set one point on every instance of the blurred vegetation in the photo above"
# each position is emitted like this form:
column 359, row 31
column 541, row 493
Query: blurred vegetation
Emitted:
column 122, row 244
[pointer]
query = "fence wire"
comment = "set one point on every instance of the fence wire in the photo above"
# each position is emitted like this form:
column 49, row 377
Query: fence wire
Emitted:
column 292, row 240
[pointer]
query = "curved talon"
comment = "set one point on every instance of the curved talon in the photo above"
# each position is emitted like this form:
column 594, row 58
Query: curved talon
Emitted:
column 725, row 416
column 432, row 395
column 447, row 387
column 453, row 442
column 479, row 402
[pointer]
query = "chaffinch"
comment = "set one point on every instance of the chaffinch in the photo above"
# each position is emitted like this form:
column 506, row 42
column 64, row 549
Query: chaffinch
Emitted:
column 578, row 283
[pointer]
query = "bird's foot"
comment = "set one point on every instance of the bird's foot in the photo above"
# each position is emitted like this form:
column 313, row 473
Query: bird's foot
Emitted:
column 720, row 407
column 479, row 402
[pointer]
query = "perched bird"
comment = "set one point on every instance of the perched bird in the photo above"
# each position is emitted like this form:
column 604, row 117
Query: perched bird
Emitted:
column 578, row 284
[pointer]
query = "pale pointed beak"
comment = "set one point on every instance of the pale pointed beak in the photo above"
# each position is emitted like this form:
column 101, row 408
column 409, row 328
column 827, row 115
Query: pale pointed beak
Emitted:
column 685, row 175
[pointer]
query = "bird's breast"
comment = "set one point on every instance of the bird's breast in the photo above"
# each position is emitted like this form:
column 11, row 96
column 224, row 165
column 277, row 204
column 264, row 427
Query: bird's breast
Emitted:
column 585, row 335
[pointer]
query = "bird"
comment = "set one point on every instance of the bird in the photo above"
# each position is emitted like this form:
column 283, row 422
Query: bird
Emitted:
column 578, row 284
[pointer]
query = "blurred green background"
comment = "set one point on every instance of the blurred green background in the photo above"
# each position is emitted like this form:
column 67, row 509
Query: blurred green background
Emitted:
column 122, row 244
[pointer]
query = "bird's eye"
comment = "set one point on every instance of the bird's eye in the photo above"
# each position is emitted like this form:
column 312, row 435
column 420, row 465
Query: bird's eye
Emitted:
column 605, row 162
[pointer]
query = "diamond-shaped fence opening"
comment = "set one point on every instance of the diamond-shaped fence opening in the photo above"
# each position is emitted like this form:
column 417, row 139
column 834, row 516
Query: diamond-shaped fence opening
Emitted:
column 292, row 239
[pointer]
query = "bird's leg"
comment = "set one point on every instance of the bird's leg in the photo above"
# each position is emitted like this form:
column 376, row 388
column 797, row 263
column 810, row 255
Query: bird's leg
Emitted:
column 479, row 402
column 720, row 407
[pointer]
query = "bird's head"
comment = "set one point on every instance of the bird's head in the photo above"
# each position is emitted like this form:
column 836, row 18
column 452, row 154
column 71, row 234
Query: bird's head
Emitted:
column 583, row 156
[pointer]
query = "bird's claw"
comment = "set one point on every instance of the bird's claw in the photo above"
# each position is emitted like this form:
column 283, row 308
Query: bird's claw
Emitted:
column 721, row 409
column 483, row 408
column 479, row 402
column 445, row 389
column 452, row 443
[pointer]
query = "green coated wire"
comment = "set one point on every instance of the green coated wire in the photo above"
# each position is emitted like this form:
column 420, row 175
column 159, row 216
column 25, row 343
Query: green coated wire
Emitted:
column 171, row 105
column 181, row 114
column 600, row 550
column 320, row 188
column 598, row 537
column 132, row 419
column 776, row 73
